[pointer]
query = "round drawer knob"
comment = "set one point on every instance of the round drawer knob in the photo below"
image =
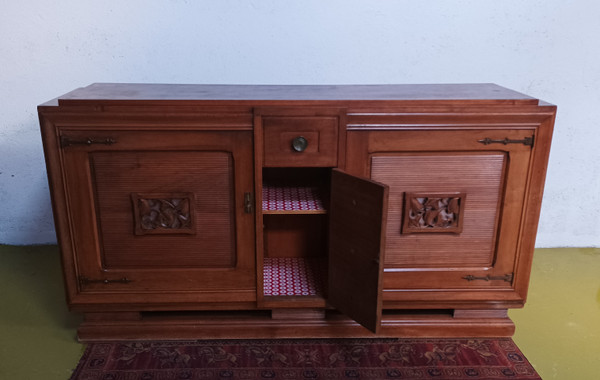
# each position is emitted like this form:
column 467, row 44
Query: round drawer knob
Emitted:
column 299, row 144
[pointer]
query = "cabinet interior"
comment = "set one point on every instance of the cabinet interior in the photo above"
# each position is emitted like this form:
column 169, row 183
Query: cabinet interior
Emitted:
column 295, row 204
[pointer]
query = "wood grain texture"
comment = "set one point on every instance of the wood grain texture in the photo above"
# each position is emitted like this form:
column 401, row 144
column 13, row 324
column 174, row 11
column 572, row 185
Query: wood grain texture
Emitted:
column 428, row 126
column 207, row 175
column 356, row 247
column 306, row 313
column 261, row 325
column 479, row 176
column 295, row 235
column 149, row 164
column 321, row 134
column 417, row 286
column 484, row 93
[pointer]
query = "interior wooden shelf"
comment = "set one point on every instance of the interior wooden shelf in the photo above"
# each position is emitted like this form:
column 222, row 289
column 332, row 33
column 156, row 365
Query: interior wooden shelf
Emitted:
column 294, row 276
column 281, row 199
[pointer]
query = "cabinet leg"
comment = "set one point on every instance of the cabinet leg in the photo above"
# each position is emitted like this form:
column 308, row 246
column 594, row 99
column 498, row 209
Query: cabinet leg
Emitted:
column 298, row 314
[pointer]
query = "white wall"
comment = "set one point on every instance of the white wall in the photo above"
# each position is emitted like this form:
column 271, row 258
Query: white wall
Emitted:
column 548, row 49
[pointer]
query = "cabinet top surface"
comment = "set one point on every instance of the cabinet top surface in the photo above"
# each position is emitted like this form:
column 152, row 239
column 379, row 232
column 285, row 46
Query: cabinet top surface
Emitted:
column 122, row 93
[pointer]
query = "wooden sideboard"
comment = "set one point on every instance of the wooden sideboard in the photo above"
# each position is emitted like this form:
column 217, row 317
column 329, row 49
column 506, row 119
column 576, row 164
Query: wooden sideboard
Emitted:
column 226, row 211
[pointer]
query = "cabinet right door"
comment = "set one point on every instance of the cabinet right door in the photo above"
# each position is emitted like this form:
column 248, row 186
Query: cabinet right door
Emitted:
column 455, row 211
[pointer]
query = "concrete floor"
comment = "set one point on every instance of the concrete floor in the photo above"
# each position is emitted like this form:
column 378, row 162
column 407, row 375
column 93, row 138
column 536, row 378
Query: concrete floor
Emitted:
column 559, row 327
column 558, row 330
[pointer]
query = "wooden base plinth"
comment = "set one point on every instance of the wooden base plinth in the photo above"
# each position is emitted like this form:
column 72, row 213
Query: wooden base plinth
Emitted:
column 180, row 326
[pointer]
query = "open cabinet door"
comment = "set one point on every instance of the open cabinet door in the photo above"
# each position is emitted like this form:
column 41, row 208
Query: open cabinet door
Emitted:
column 358, row 213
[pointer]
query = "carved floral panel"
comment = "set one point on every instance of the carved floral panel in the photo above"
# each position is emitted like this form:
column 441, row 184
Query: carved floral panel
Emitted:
column 165, row 213
column 433, row 212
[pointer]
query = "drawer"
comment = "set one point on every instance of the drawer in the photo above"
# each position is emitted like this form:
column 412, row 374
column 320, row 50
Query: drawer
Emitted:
column 300, row 141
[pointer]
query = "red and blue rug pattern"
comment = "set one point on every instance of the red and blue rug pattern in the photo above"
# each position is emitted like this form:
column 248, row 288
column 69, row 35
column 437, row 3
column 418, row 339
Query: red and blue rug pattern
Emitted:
column 306, row 359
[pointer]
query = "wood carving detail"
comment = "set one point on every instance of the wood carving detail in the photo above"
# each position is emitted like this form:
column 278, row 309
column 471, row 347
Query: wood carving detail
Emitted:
column 433, row 212
column 163, row 213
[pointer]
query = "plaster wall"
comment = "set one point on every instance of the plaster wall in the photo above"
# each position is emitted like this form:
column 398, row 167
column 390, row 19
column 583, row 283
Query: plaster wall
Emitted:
column 547, row 49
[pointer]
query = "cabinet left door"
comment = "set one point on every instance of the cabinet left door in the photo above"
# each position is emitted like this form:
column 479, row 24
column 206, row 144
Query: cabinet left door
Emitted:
column 155, row 218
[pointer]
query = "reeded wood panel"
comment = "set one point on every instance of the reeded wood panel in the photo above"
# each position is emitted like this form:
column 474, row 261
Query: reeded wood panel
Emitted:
column 478, row 176
column 143, row 205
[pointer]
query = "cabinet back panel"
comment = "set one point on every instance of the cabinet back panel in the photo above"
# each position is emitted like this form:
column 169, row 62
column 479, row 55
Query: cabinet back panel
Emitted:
column 477, row 176
column 295, row 235
column 136, row 191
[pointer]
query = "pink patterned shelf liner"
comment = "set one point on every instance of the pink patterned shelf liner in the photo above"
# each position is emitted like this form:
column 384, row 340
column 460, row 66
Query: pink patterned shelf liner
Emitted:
column 292, row 276
column 291, row 198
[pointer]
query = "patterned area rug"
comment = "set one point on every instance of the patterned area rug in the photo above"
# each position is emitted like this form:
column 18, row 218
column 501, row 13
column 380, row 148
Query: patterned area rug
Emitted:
column 306, row 359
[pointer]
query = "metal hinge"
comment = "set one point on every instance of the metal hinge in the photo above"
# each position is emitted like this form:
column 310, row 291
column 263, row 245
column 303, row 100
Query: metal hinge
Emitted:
column 528, row 141
column 66, row 141
column 507, row 278
column 86, row 281
column 248, row 203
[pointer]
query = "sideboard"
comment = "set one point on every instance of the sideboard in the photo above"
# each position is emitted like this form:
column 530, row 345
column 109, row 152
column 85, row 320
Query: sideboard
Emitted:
column 240, row 211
